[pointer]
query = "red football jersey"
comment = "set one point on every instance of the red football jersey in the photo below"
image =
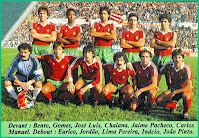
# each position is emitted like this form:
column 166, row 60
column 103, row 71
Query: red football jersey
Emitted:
column 103, row 28
column 118, row 76
column 69, row 31
column 164, row 37
column 58, row 69
column 144, row 74
column 178, row 76
column 132, row 36
column 47, row 29
column 89, row 71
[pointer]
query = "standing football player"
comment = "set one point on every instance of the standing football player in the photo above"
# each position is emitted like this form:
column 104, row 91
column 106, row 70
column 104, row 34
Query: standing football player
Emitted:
column 132, row 39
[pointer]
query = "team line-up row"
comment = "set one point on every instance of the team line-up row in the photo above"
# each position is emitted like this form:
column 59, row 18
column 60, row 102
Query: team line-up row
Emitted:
column 145, row 73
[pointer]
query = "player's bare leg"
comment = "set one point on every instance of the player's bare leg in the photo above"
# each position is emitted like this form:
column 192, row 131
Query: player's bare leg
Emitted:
column 47, row 89
column 78, row 85
column 68, row 95
column 107, row 91
column 95, row 94
column 164, row 100
column 187, row 98
column 127, row 90
column 151, row 97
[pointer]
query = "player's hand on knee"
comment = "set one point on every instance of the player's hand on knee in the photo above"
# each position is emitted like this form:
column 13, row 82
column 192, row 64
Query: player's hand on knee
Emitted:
column 71, row 87
column 157, row 89
column 83, row 90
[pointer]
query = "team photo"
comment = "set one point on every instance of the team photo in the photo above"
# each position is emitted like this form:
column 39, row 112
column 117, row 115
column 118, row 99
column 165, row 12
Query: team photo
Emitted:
column 101, row 61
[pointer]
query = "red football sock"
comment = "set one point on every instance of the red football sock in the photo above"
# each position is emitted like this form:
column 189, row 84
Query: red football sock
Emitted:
column 153, row 100
column 80, row 96
column 49, row 96
column 109, row 97
column 187, row 105
column 171, row 105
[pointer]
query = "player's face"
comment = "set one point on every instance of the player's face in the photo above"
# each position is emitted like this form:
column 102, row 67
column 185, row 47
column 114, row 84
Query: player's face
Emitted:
column 104, row 16
column 24, row 53
column 145, row 59
column 165, row 24
column 43, row 16
column 178, row 60
column 71, row 16
column 88, row 55
column 120, row 62
column 132, row 22
column 58, row 51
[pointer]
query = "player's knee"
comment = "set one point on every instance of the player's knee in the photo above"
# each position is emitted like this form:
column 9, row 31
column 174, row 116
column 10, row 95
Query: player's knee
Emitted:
column 7, row 83
column 153, row 93
column 45, row 90
column 187, row 95
column 133, row 106
column 38, row 84
column 77, row 86
column 105, row 91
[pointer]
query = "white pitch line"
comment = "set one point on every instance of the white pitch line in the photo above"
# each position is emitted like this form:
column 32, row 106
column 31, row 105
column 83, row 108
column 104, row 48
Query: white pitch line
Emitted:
column 18, row 22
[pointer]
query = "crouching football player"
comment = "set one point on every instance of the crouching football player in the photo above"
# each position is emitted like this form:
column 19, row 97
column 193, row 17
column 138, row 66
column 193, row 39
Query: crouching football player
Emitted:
column 28, row 72
column 91, row 77
column 119, row 73
column 146, row 81
column 58, row 67
column 180, row 81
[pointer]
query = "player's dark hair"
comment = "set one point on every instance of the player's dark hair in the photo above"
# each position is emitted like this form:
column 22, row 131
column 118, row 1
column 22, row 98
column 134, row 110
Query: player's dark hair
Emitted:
column 145, row 51
column 44, row 8
column 165, row 16
column 177, row 52
column 25, row 46
column 89, row 47
column 119, row 55
column 132, row 15
column 56, row 44
column 106, row 9
column 70, row 9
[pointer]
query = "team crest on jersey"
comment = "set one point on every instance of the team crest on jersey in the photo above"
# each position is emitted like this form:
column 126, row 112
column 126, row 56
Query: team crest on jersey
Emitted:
column 74, row 33
column 29, row 66
column 47, row 31
column 66, row 30
column 123, row 77
column 167, row 39
column 108, row 29
column 98, row 27
column 62, row 66
column 38, row 28
column 137, row 38
column 127, row 35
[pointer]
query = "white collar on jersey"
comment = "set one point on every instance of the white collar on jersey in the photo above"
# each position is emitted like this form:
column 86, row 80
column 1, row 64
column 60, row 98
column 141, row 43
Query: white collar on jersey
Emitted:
column 124, row 68
column 71, row 26
column 44, row 24
column 165, row 32
column 94, row 60
column 63, row 55
column 132, row 31
column 182, row 66
column 149, row 64
column 104, row 24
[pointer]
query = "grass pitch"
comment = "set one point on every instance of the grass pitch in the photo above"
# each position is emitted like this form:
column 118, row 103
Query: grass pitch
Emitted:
column 58, row 112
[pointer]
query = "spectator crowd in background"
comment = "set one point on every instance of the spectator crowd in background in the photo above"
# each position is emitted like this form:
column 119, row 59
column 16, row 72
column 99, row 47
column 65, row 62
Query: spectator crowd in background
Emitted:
column 181, row 12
